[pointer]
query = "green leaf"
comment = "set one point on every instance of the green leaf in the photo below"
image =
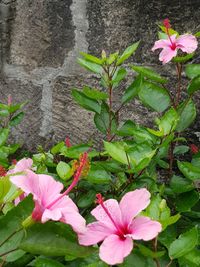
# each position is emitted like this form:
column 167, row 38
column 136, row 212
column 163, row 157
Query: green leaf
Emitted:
column 196, row 160
column 45, row 262
column 13, row 148
column 127, row 128
column 112, row 58
column 86, row 199
column 171, row 31
column 97, row 175
column 56, row 149
column 149, row 253
column 127, row 53
column 163, row 164
column 132, row 90
column 167, row 123
column 11, row 232
column 74, row 151
column 4, row 132
column 64, row 170
column 102, row 120
column 183, row 59
column 91, row 261
column 5, row 185
column 4, row 113
column 116, row 151
column 119, row 75
column 170, row 220
column 86, row 102
column 185, row 201
column 197, row 34
column 162, row 35
column 110, row 165
column 136, row 259
column 159, row 211
column 187, row 113
column 140, row 155
column 179, row 150
column 180, row 184
column 184, row 244
column 16, row 119
column 91, row 58
column 190, row 171
column 93, row 67
column 94, row 93
column 194, row 85
column 149, row 73
column 192, row 70
column 14, row 108
column 167, row 236
column 154, row 96
column 22, row 261
column 153, row 210
column 54, row 239
column 192, row 259
column 140, row 134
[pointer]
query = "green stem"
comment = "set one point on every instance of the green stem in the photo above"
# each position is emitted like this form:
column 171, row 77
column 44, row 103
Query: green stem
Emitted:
column 178, row 92
column 110, row 113
column 169, row 264
column 155, row 243
column 176, row 103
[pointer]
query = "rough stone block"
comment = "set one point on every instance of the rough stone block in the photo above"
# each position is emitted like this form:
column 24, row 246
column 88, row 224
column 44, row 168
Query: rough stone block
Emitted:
column 115, row 24
column 27, row 132
column 42, row 33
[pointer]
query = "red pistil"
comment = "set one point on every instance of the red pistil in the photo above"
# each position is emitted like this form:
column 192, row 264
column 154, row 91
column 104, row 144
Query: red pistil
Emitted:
column 9, row 100
column 167, row 25
column 2, row 171
column 120, row 232
column 14, row 161
column 67, row 142
column 83, row 162
column 194, row 149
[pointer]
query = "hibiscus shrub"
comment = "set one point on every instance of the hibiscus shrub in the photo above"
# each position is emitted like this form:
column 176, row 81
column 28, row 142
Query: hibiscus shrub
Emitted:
column 133, row 203
column 10, row 116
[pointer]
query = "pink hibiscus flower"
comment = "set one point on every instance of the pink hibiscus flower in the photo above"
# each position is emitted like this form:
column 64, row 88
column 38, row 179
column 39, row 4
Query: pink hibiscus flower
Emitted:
column 187, row 43
column 50, row 203
column 20, row 170
column 117, row 227
column 21, row 166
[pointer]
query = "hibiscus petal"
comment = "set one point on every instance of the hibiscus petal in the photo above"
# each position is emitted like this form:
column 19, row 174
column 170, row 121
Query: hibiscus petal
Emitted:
column 21, row 166
column 74, row 218
column 94, row 233
column 144, row 228
column 113, row 250
column 54, row 215
column 167, row 54
column 187, row 43
column 163, row 43
column 24, row 164
column 28, row 183
column 133, row 203
column 114, row 210
column 49, row 189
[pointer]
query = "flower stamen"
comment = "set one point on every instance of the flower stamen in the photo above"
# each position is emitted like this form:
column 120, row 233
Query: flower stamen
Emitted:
column 167, row 25
column 83, row 162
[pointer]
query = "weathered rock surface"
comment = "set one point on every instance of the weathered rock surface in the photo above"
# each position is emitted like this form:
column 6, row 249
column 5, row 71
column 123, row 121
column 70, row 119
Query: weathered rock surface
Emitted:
column 39, row 43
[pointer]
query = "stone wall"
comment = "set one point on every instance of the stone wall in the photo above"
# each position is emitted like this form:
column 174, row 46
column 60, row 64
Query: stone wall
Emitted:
column 41, row 39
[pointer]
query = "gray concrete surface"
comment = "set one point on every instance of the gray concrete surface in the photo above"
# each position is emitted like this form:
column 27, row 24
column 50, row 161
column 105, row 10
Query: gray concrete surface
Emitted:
column 41, row 39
